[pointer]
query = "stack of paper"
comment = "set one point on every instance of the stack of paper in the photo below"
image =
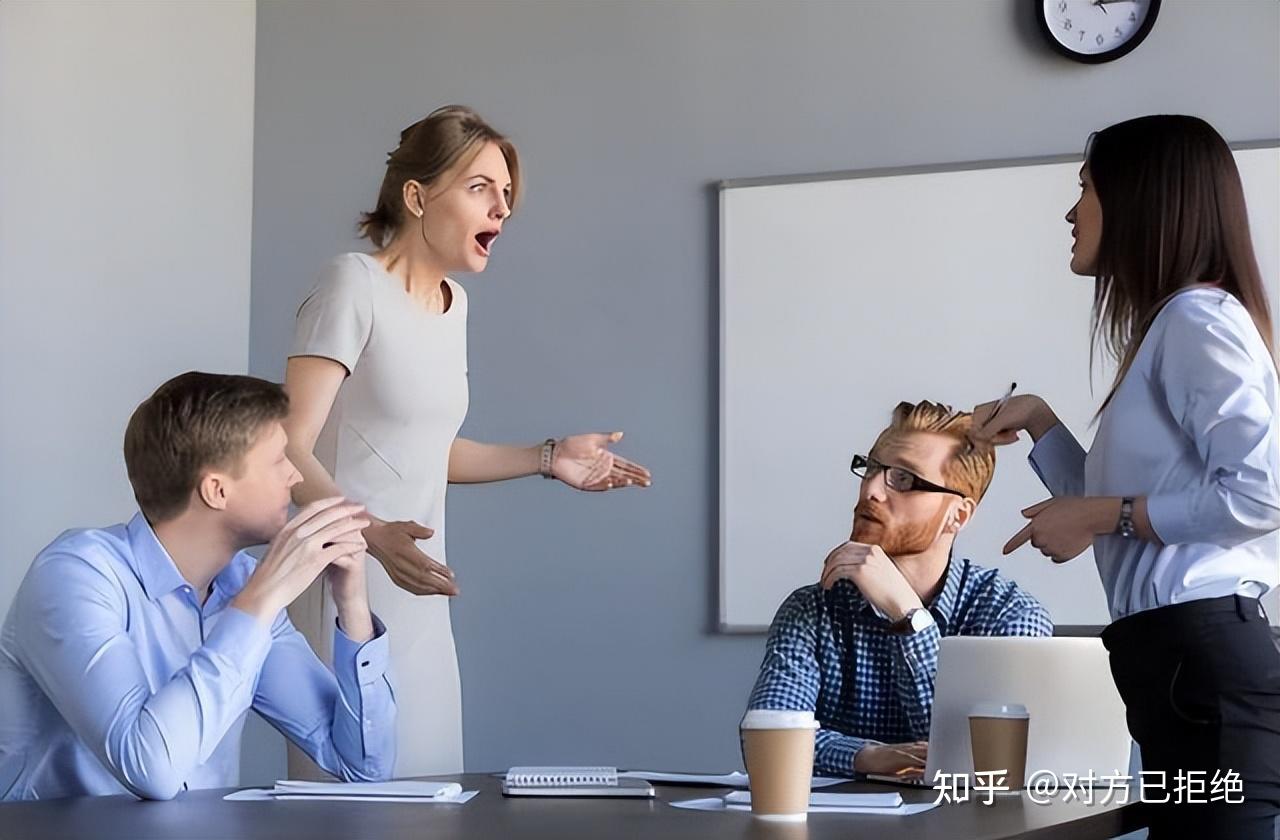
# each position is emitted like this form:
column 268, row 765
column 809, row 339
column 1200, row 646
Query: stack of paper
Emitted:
column 448, row 793
column 883, row 804
column 822, row 803
column 736, row 779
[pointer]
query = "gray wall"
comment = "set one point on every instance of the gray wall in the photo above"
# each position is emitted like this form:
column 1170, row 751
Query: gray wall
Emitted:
column 584, row 627
column 126, row 153
column 126, row 168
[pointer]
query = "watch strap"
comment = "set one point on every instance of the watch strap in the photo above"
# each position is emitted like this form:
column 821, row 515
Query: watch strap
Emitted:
column 546, row 457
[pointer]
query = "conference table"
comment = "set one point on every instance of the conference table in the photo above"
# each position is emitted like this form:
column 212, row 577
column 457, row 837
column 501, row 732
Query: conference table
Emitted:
column 203, row 815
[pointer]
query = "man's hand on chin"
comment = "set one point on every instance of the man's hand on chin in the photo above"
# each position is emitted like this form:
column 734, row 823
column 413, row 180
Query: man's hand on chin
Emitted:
column 870, row 569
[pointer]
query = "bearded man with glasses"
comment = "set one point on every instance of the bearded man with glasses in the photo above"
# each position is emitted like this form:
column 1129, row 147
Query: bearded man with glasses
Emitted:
column 860, row 647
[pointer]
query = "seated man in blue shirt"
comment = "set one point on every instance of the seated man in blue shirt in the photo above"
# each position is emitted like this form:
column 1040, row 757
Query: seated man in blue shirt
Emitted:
column 860, row 648
column 131, row 654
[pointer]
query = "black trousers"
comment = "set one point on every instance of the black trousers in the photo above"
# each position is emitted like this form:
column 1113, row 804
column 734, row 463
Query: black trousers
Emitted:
column 1201, row 687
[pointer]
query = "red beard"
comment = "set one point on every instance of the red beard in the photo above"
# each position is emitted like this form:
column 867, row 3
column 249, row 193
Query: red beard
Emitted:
column 902, row 538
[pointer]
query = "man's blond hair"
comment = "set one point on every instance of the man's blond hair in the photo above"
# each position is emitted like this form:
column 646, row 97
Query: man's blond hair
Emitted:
column 970, row 467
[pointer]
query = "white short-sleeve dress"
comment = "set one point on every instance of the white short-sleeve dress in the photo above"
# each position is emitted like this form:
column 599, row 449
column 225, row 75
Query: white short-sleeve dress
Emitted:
column 386, row 444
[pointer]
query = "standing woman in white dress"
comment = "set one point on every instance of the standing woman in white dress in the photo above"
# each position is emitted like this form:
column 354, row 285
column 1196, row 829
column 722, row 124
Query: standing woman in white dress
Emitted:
column 1179, row 494
column 377, row 382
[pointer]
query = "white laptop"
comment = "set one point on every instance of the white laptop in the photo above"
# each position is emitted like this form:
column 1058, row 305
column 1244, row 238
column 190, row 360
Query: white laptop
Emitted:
column 1077, row 717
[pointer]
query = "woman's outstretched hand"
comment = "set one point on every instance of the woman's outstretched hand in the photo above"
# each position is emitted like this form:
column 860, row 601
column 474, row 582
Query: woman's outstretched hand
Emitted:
column 586, row 463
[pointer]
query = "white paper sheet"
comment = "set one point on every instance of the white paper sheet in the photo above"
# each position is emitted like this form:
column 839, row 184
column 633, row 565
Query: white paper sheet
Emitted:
column 825, row 782
column 716, row 803
column 904, row 810
column 259, row 795
column 713, row 803
column 736, row 779
column 394, row 788
column 431, row 793
column 831, row 800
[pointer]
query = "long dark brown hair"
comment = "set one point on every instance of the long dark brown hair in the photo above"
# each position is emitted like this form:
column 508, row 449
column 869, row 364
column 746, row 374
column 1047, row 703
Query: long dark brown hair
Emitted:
column 428, row 149
column 1173, row 216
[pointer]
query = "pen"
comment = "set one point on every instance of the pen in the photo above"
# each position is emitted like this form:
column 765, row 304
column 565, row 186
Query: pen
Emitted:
column 1003, row 400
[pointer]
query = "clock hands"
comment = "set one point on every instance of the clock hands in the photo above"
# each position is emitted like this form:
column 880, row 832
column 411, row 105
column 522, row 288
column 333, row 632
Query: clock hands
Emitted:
column 1102, row 4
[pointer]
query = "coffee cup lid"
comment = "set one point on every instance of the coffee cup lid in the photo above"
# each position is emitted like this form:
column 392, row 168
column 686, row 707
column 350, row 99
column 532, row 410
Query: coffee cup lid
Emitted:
column 778, row 719
column 999, row 710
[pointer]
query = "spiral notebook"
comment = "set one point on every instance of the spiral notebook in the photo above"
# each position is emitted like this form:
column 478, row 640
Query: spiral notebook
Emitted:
column 573, row 781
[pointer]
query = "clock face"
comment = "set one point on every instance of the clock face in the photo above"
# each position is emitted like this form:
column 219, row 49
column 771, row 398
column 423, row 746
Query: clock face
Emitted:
column 1097, row 30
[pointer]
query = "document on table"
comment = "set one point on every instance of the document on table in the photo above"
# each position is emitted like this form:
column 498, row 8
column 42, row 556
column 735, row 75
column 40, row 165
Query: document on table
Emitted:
column 882, row 804
column 438, row 793
column 831, row 800
column 736, row 779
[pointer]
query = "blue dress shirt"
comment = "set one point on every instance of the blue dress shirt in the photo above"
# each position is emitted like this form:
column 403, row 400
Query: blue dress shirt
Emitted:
column 115, row 679
column 830, row 652
column 1193, row 428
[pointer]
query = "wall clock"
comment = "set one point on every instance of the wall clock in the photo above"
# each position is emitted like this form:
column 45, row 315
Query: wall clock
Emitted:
column 1094, row 31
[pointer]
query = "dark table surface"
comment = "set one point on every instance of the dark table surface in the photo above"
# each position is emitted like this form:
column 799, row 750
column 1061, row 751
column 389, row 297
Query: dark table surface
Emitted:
column 203, row 815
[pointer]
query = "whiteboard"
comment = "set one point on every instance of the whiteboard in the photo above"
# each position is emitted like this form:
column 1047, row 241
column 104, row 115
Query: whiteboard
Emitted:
column 842, row 295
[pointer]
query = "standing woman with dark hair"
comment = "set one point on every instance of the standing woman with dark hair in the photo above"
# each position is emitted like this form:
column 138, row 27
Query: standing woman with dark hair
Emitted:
column 377, row 381
column 1179, row 494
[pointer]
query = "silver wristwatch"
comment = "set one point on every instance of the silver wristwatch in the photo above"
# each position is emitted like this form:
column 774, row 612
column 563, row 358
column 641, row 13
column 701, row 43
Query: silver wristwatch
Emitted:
column 1125, row 527
column 914, row 621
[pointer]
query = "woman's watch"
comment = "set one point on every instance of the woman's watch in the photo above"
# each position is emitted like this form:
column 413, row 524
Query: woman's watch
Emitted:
column 545, row 458
column 1125, row 527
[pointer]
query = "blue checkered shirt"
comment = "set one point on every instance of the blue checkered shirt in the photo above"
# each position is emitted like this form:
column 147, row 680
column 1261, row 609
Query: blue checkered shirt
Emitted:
column 831, row 653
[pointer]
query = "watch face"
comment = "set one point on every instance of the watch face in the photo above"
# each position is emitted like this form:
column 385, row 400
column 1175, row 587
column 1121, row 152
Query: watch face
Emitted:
column 1097, row 30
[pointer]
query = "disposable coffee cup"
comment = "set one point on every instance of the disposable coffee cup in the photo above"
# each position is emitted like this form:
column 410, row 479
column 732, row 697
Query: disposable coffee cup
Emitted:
column 998, row 732
column 779, row 750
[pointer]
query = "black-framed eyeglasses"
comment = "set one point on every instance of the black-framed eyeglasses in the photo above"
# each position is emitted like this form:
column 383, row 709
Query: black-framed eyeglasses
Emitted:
column 897, row 478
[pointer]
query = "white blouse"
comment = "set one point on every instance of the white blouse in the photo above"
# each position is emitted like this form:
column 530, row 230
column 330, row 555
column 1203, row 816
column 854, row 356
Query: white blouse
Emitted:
column 1193, row 428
